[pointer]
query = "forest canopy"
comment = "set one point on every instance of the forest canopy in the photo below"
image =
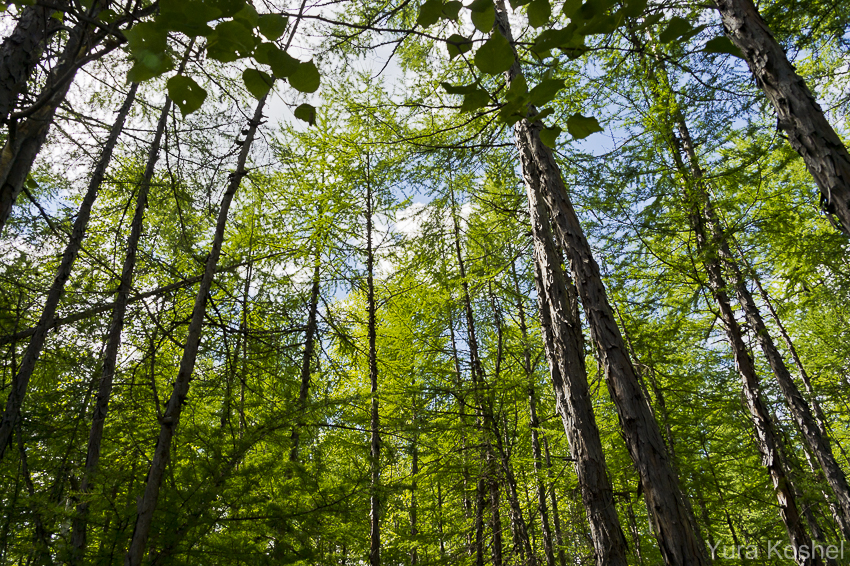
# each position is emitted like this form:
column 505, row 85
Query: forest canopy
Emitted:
column 537, row 283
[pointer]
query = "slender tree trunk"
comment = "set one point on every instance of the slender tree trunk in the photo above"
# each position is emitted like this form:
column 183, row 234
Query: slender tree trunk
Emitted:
column 671, row 519
column 800, row 116
column 25, row 140
column 565, row 352
column 414, row 504
column 69, row 256
column 375, row 440
column 766, row 438
column 817, row 442
column 495, row 520
column 553, row 497
column 20, row 52
column 479, row 521
column 113, row 341
column 171, row 416
column 534, row 425
column 307, row 358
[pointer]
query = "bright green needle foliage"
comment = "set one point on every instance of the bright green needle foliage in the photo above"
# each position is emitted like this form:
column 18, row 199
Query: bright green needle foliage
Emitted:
column 186, row 93
column 495, row 56
column 257, row 82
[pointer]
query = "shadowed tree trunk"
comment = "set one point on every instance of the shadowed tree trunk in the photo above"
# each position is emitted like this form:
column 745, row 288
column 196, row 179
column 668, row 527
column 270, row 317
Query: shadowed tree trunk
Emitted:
column 800, row 116
column 171, row 415
column 374, row 439
column 21, row 381
column 307, row 357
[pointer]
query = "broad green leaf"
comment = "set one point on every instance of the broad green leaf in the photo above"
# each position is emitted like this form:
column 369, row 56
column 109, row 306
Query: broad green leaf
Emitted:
column 228, row 8
column 187, row 16
column 306, row 113
column 257, row 82
column 675, row 29
column 57, row 15
column 150, row 66
column 581, row 126
column 31, row 183
column 429, row 13
column 186, row 93
column 633, row 8
column 272, row 26
column 484, row 18
column 549, row 136
column 602, row 24
column 451, row 10
column 513, row 111
column 146, row 37
column 544, row 92
column 459, row 89
column 571, row 8
column 495, row 56
column 475, row 100
column 542, row 114
column 247, row 15
column 518, row 88
column 230, row 41
column 107, row 15
column 722, row 45
column 539, row 12
column 457, row 45
column 305, row 78
column 282, row 63
column 556, row 38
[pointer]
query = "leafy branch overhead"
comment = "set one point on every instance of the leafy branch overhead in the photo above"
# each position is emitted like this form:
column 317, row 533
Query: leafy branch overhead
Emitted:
column 232, row 30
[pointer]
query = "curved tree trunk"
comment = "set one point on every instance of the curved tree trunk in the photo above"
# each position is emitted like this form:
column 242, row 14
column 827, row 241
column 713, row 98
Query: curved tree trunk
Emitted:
column 800, row 116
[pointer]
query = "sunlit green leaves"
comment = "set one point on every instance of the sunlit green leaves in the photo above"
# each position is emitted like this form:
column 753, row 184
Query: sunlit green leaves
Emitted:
column 306, row 113
column 459, row 89
column 272, row 26
column 257, row 82
column 545, row 92
column 305, row 78
column 186, row 93
column 582, row 126
column 495, row 56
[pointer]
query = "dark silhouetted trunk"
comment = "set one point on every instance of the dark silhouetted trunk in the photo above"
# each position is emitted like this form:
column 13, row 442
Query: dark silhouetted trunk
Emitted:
column 374, row 438
column 171, row 416
column 21, row 380
column 307, row 357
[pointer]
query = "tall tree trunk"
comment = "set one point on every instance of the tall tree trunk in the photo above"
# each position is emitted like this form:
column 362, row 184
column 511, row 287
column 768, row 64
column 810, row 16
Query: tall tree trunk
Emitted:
column 171, row 415
column 672, row 521
column 564, row 346
column 113, row 340
column 20, row 52
column 799, row 114
column 307, row 357
column 374, row 440
column 766, row 438
column 25, row 139
column 553, row 497
column 534, row 425
column 817, row 442
column 21, row 381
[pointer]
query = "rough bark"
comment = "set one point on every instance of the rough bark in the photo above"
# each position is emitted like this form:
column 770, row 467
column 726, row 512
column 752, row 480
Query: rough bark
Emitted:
column 817, row 442
column 20, row 52
column 171, row 415
column 564, row 345
column 69, row 256
column 799, row 115
column 25, row 140
column 672, row 521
